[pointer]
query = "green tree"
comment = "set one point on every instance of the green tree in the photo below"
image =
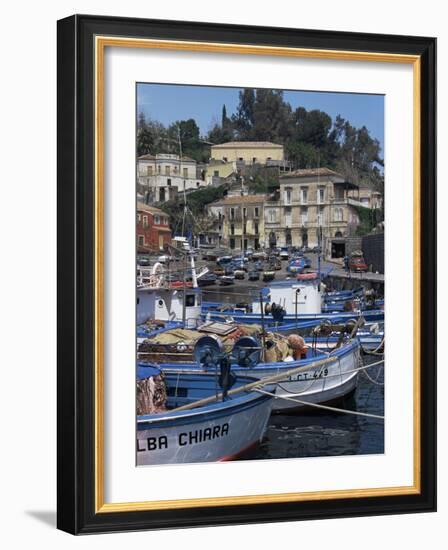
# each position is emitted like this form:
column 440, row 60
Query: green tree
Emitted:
column 185, row 135
column 271, row 117
column 243, row 120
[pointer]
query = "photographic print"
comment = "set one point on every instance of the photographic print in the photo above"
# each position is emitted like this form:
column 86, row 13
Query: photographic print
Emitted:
column 260, row 274
column 231, row 200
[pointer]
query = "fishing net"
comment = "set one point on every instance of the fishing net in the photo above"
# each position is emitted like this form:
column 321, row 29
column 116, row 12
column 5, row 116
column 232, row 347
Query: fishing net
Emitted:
column 151, row 395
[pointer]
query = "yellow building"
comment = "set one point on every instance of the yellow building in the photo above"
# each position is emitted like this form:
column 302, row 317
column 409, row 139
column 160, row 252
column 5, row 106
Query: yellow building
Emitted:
column 248, row 152
column 219, row 169
column 240, row 221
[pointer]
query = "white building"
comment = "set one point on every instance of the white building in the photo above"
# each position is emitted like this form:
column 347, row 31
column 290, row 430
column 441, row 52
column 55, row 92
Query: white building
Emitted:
column 165, row 175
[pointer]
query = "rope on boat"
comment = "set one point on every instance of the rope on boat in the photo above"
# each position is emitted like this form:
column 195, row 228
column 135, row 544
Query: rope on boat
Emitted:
column 370, row 379
column 376, row 350
column 318, row 406
column 256, row 384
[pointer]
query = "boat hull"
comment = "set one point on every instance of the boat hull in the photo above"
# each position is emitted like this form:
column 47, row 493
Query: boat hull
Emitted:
column 256, row 318
column 214, row 437
column 319, row 384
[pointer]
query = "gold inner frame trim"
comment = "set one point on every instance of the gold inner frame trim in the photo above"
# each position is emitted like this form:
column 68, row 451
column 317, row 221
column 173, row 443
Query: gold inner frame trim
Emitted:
column 101, row 42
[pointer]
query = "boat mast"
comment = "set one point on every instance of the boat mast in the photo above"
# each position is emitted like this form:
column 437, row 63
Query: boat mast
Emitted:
column 184, row 297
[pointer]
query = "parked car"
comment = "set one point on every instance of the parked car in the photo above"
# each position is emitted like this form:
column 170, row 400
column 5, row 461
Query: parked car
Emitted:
column 268, row 275
column 238, row 264
column 259, row 255
column 253, row 276
column 357, row 263
column 284, row 254
column 224, row 260
column 207, row 279
column 240, row 274
column 275, row 263
column 142, row 261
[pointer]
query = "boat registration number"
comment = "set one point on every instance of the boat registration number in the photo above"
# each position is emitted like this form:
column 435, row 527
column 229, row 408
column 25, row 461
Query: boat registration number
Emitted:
column 301, row 376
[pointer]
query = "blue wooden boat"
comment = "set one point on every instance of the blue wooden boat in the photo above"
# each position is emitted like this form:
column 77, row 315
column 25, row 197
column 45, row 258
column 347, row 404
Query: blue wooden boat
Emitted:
column 370, row 336
column 217, row 431
column 290, row 301
column 327, row 375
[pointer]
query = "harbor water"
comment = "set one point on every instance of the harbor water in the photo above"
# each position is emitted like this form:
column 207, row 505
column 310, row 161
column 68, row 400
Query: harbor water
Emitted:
column 321, row 433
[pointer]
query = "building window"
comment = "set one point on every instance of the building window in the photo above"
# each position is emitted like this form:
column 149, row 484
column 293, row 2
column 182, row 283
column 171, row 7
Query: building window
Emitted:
column 338, row 215
column 232, row 213
column 244, row 212
column 224, row 159
column 157, row 220
column 162, row 194
column 198, row 184
column 338, row 235
column 256, row 228
column 168, row 182
column 141, row 240
column 304, row 215
column 288, row 195
column 185, row 172
column 244, row 227
column 254, row 160
column 272, row 218
column 159, row 169
column 138, row 217
column 339, row 193
column 304, row 195
column 216, row 173
column 167, row 170
column 232, row 229
column 232, row 243
column 320, row 195
column 320, row 215
column 288, row 216
column 149, row 170
column 145, row 221
column 256, row 212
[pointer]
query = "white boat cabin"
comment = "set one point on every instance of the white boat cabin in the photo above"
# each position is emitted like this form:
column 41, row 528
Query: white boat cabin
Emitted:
column 167, row 304
column 301, row 297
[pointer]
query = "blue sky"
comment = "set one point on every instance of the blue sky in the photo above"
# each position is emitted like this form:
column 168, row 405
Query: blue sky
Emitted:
column 167, row 103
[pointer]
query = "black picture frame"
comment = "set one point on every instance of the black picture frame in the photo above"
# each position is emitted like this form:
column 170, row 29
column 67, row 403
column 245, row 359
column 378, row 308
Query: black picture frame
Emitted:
column 76, row 255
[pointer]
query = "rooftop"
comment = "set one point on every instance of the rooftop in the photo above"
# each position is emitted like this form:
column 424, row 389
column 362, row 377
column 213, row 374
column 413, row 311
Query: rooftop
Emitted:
column 310, row 172
column 238, row 199
column 247, row 145
column 142, row 207
column 165, row 156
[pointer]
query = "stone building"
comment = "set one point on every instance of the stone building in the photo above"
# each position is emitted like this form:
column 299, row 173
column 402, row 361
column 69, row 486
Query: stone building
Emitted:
column 239, row 221
column 161, row 177
column 313, row 208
